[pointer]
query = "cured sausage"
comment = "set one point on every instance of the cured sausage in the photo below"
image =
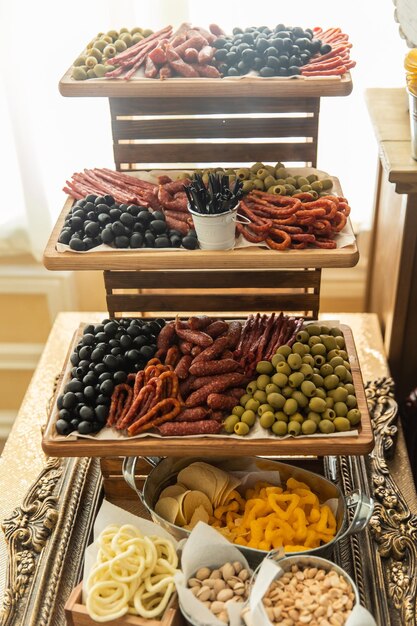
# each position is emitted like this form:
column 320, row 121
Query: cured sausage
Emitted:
column 166, row 336
column 191, row 55
column 207, row 71
column 233, row 334
column 213, row 351
column 192, row 415
column 222, row 382
column 179, row 429
column 206, row 368
column 183, row 366
column 220, row 402
column 204, row 56
column 193, row 336
column 185, row 347
column 217, row 328
column 199, row 322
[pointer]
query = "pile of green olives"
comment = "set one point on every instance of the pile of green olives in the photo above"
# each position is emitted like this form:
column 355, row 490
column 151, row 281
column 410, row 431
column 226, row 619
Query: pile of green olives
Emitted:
column 92, row 62
column 305, row 389
column 274, row 179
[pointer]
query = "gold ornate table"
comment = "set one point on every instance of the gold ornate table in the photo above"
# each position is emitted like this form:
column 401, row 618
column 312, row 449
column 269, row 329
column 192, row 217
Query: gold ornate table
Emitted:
column 47, row 506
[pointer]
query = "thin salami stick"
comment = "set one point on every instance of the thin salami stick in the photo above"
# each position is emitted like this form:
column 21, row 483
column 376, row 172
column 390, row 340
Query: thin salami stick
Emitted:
column 134, row 407
column 146, row 421
column 133, row 50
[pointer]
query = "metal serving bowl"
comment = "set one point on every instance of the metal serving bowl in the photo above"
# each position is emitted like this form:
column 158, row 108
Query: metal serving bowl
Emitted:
column 165, row 472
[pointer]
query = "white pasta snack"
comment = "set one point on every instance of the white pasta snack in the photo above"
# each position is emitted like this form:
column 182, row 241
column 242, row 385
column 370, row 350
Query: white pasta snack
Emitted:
column 134, row 573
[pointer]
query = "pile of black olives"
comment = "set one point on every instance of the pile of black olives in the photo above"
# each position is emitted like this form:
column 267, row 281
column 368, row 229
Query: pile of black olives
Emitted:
column 281, row 51
column 103, row 358
column 99, row 219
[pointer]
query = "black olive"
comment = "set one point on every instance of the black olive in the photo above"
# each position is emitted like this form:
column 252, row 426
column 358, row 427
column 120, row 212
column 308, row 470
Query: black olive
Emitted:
column 237, row 31
column 248, row 38
column 74, row 358
column 87, row 413
column 60, row 401
column 145, row 217
column 293, row 70
column 89, row 329
column 97, row 355
column 125, row 341
column 99, row 200
column 109, row 200
column 81, row 372
column 295, row 50
column 104, row 219
column 132, row 209
column 248, row 56
column 76, row 244
column 106, row 388
column 74, row 386
column 266, row 71
column 101, row 412
column 99, row 368
column 219, row 42
column 136, row 240
column 262, row 44
column 89, row 243
column 115, row 214
column 223, row 67
column 107, row 236
column 127, row 220
column 70, row 400
column 273, row 62
column 64, row 414
column 110, row 361
column 162, row 242
column 304, row 58
column 120, row 377
column 77, row 223
column 158, row 226
column 242, row 46
column 243, row 68
column 92, row 229
column 283, row 60
column 283, row 71
column 325, row 48
column 102, row 399
column 149, row 240
column 189, row 242
column 101, row 337
column 140, row 341
column 91, row 197
column 89, row 379
column 283, row 34
column 258, row 63
column 116, row 351
column 80, row 397
column 133, row 355
column 105, row 376
column 63, row 427
column 111, row 328
column 88, row 339
column 85, row 352
column 271, row 52
column 220, row 54
column 298, row 31
column 74, row 423
column 138, row 227
column 90, row 217
column 175, row 232
column 65, row 236
column 294, row 61
column 175, row 241
column 118, row 228
column 160, row 321
column 158, row 215
column 146, row 352
column 302, row 43
column 315, row 45
column 121, row 242
column 146, row 330
column 133, row 330
column 85, row 428
column 231, row 58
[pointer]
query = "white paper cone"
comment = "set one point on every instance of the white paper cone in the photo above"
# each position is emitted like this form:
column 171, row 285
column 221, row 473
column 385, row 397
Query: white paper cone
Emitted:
column 360, row 617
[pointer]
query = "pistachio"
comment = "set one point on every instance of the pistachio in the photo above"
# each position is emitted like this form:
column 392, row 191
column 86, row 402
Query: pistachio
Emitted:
column 227, row 571
column 194, row 582
column 237, row 566
column 218, row 585
column 202, row 573
column 243, row 574
column 204, row 593
column 217, row 607
column 225, row 594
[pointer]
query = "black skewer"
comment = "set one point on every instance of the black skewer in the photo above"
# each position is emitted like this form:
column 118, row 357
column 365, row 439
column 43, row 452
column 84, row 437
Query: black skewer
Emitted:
column 214, row 198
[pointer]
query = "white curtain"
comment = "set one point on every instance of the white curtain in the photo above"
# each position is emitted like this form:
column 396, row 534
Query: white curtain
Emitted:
column 45, row 137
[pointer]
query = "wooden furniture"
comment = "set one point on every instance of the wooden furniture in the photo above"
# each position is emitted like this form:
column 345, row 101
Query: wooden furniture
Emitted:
column 242, row 280
column 50, row 506
column 392, row 272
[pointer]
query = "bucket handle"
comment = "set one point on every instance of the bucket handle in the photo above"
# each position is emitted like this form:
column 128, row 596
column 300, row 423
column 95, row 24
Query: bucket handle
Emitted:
column 242, row 219
column 363, row 506
column 129, row 469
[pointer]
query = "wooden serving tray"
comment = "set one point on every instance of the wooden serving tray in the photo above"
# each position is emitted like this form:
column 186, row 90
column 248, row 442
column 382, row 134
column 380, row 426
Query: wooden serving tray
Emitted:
column 312, row 87
column 359, row 444
column 250, row 258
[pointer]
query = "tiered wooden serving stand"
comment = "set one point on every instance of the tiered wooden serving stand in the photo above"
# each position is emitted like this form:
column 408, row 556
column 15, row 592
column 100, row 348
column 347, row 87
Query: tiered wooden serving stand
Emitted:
column 201, row 123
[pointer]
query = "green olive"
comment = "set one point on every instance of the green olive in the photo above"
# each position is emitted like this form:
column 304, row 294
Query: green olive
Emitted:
column 258, row 183
column 264, row 367
column 348, row 378
column 252, row 387
column 351, row 401
column 238, row 410
column 243, row 173
column 110, row 51
column 329, row 342
column 305, row 188
column 340, row 343
column 318, row 348
column 245, row 398
column 308, row 388
column 136, row 38
column 335, row 361
column 308, row 427
column 107, row 38
column 248, row 186
column 341, row 371
column 127, row 38
column 78, row 73
column 262, row 173
column 260, row 395
column 113, row 34
column 354, row 416
column 146, row 32
column 230, row 423
column 341, row 424
column 295, row 379
column 279, row 379
column 284, row 368
column 344, row 356
column 327, row 427
column 272, row 388
column 321, row 393
column 290, row 406
column 284, row 350
column 269, row 181
column 340, row 394
column 294, row 428
column 294, row 361
column 308, row 359
column 256, row 166
column 262, row 381
column 100, row 44
column 350, row 389
column 326, row 183
column 315, row 417
column 301, row 180
column 79, row 61
column 241, row 429
column 331, row 382
column 248, row 417
column 347, row 365
column 300, row 398
column 276, row 400
column 252, row 405
column 328, row 414
column 287, row 391
column 312, row 178
column 100, row 70
column 280, row 172
column 267, row 419
column 331, row 355
column 91, row 74
column 277, row 358
column 279, row 428
column 318, row 405
column 299, row 348
column 319, row 360
column 329, row 402
column 302, row 336
column 341, row 409
column 264, row 408
column 307, row 371
column 297, row 417
column 120, row 45
column 91, row 62
column 317, row 380
column 326, row 370
column 281, row 416
column 312, row 329
column 314, row 339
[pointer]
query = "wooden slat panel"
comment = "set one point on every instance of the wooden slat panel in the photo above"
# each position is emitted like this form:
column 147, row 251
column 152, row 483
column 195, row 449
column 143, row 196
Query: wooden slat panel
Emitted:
column 202, row 106
column 227, row 127
column 210, row 153
column 221, row 302
column 220, row 279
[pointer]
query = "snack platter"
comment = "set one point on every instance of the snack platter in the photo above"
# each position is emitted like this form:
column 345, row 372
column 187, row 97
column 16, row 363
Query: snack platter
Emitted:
column 257, row 442
column 248, row 256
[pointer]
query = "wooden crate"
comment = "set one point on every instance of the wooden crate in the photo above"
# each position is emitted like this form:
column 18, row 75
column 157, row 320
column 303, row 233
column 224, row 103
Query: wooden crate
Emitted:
column 76, row 614
column 213, row 446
